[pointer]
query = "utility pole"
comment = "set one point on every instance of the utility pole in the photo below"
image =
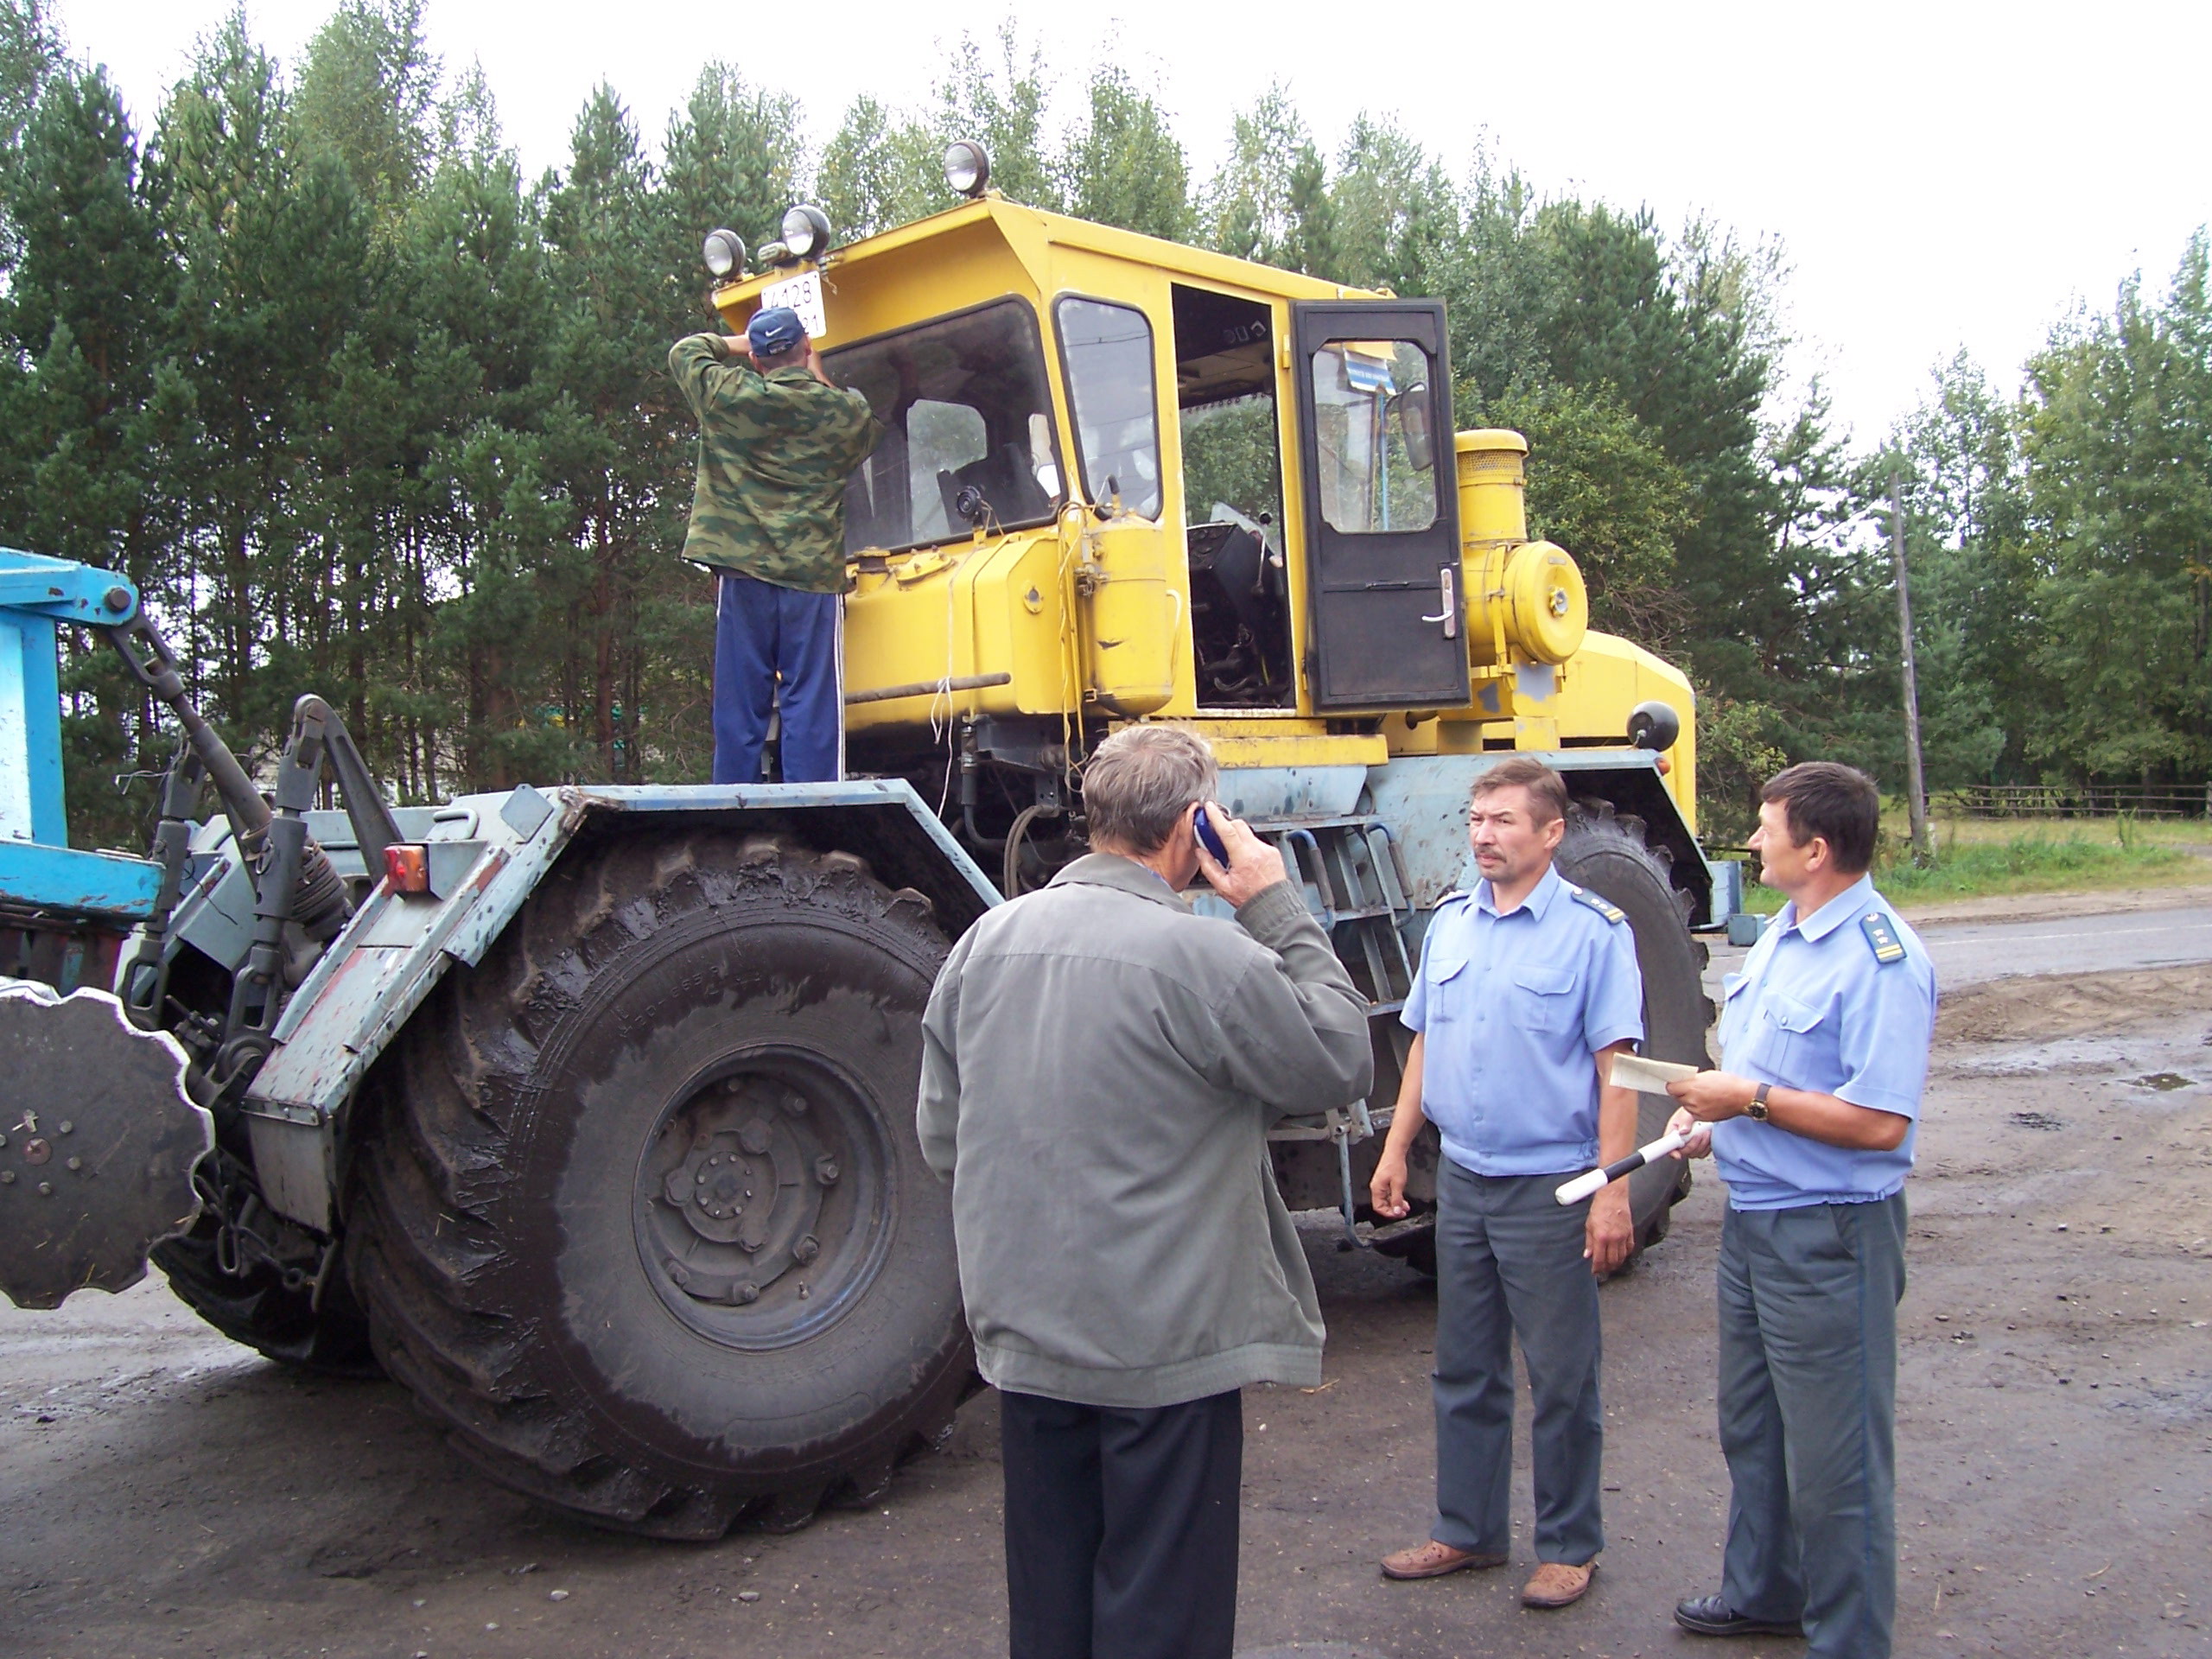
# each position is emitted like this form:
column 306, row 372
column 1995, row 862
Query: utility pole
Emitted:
column 1916, row 791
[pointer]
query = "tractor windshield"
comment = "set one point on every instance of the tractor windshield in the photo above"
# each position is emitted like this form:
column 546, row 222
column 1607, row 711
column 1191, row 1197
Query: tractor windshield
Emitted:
column 969, row 439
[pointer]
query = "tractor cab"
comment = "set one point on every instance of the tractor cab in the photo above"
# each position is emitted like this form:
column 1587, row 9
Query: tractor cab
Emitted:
column 1252, row 453
column 1122, row 479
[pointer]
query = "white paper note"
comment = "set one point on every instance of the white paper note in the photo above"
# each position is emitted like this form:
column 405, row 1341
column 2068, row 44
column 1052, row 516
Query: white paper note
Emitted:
column 1646, row 1076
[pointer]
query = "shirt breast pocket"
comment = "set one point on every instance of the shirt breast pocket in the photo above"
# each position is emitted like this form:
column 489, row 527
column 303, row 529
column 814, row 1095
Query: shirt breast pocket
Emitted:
column 1798, row 1042
column 1542, row 999
column 1446, row 987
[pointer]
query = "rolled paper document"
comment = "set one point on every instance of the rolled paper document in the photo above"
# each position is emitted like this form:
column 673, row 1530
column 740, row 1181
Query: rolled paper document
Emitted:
column 1583, row 1186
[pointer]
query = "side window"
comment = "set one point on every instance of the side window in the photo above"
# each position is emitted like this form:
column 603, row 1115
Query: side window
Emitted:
column 1108, row 353
column 1377, row 465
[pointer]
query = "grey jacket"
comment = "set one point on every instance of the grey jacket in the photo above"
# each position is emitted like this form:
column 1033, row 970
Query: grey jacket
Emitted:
column 1099, row 1070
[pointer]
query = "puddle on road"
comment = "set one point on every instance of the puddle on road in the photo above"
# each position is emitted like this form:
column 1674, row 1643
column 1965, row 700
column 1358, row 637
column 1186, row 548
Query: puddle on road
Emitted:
column 2037, row 1121
column 2164, row 1082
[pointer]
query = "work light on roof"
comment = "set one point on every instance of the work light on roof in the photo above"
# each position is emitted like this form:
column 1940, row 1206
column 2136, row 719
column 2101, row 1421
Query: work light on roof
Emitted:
column 967, row 168
column 725, row 252
column 806, row 231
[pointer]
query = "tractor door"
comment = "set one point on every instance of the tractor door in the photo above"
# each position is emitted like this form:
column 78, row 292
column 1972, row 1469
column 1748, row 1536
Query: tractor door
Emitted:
column 1382, row 504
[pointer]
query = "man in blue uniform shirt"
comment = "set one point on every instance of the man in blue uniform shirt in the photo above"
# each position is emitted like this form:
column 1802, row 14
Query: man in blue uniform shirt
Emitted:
column 1528, row 987
column 1824, row 1039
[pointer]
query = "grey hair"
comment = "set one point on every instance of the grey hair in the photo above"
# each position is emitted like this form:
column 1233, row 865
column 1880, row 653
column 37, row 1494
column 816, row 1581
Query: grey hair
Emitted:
column 1138, row 782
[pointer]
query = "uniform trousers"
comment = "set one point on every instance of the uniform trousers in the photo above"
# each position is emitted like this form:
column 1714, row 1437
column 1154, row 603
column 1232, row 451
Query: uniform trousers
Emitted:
column 1508, row 1262
column 1809, row 1371
column 770, row 640
column 1121, row 1527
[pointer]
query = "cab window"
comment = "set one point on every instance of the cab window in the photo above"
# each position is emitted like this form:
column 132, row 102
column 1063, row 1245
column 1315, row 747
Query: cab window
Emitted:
column 1376, row 473
column 964, row 405
column 1108, row 351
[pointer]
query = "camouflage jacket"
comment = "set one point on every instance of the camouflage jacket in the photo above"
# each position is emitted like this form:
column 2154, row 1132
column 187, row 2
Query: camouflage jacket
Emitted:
column 774, row 451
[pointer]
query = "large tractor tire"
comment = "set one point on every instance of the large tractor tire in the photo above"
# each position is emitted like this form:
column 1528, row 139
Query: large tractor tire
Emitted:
column 1608, row 854
column 642, row 1217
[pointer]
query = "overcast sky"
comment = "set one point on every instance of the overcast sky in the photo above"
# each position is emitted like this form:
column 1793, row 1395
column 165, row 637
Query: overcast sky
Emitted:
column 1939, row 174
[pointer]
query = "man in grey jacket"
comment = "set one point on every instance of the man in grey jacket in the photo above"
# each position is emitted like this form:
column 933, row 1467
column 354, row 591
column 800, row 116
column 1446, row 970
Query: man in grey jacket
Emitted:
column 1099, row 1071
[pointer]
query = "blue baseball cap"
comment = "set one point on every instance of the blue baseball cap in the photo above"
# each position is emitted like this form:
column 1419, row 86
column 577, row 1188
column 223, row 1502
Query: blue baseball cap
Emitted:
column 775, row 330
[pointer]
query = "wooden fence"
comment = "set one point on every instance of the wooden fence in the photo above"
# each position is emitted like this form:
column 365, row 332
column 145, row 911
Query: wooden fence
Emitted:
column 2082, row 801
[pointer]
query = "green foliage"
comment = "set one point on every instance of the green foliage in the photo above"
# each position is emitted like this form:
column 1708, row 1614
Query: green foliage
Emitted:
column 1606, row 490
column 2023, row 863
column 1270, row 202
column 1123, row 166
column 365, row 411
column 368, row 96
column 2118, row 431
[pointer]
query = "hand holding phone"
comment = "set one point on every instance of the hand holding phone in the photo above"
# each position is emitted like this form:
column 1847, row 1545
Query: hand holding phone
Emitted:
column 1210, row 838
column 1257, row 867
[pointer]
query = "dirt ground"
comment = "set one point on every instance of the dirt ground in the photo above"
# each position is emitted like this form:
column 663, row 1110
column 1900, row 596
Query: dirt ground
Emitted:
column 162, row 1492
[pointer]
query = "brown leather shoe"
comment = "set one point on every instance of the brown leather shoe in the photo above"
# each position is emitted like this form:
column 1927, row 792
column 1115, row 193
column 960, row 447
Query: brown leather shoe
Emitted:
column 1433, row 1561
column 1557, row 1585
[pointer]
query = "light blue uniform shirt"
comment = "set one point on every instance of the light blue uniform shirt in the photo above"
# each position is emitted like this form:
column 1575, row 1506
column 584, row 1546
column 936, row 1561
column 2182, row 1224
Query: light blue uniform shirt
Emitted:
column 1511, row 1008
column 1817, row 1008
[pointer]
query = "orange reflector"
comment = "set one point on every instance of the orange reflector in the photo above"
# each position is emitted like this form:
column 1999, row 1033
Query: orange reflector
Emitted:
column 1664, row 765
column 408, row 868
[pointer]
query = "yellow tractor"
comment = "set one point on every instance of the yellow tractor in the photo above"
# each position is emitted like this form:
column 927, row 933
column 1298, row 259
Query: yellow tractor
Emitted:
column 1124, row 480
column 587, row 1113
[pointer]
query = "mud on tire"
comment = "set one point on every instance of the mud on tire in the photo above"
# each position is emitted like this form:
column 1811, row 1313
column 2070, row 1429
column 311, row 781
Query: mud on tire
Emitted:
column 641, row 1216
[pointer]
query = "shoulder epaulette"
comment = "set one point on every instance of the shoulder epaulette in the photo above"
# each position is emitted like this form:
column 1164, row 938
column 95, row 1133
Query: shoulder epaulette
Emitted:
column 1604, row 906
column 1881, row 938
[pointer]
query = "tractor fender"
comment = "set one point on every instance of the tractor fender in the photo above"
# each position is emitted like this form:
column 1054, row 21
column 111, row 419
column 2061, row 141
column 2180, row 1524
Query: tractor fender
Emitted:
column 488, row 854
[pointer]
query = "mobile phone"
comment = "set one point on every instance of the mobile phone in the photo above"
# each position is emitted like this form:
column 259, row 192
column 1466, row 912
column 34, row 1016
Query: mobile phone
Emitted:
column 1210, row 838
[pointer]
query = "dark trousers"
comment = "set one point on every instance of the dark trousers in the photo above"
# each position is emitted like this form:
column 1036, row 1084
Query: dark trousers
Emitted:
column 764, row 634
column 1121, row 1527
column 1808, row 1388
column 1508, row 1263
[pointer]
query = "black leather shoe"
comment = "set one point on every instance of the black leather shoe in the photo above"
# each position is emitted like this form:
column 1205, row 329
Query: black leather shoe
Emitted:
column 1711, row 1616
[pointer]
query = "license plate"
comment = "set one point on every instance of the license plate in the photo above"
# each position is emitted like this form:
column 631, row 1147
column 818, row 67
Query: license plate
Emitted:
column 803, row 294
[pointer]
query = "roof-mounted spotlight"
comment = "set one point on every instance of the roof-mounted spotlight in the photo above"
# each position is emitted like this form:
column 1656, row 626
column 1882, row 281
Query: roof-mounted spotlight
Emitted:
column 806, row 231
column 967, row 167
column 725, row 253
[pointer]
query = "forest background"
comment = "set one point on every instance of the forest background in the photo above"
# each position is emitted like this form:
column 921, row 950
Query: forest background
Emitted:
column 363, row 410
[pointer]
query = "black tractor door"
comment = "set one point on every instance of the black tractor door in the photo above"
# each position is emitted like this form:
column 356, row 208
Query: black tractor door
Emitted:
column 1386, row 619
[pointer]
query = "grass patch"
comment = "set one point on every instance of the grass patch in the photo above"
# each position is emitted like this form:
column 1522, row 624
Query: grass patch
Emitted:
column 1976, row 858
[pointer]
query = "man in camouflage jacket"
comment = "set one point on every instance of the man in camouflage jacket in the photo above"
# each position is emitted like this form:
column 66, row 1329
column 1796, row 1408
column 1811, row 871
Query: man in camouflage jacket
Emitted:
column 776, row 442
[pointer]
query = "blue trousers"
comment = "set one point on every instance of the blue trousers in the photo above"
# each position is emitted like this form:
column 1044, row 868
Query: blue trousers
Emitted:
column 1809, row 1391
column 1508, row 1262
column 765, row 636
column 1121, row 1527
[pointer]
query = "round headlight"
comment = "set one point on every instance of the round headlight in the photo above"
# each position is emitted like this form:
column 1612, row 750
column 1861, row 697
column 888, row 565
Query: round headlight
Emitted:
column 806, row 231
column 967, row 168
column 725, row 252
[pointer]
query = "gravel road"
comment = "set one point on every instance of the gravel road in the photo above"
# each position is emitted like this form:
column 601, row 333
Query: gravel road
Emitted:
column 167, row 1493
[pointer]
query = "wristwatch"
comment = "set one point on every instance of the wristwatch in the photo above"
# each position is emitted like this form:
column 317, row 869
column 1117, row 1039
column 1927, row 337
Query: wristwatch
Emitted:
column 1756, row 1110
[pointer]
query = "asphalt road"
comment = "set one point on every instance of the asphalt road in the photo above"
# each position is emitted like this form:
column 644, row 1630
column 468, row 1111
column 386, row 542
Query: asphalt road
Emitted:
column 1976, row 953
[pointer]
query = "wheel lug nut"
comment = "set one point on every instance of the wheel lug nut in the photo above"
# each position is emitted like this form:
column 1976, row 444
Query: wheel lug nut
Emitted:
column 806, row 1249
column 754, row 1137
column 746, row 1292
column 826, row 1170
